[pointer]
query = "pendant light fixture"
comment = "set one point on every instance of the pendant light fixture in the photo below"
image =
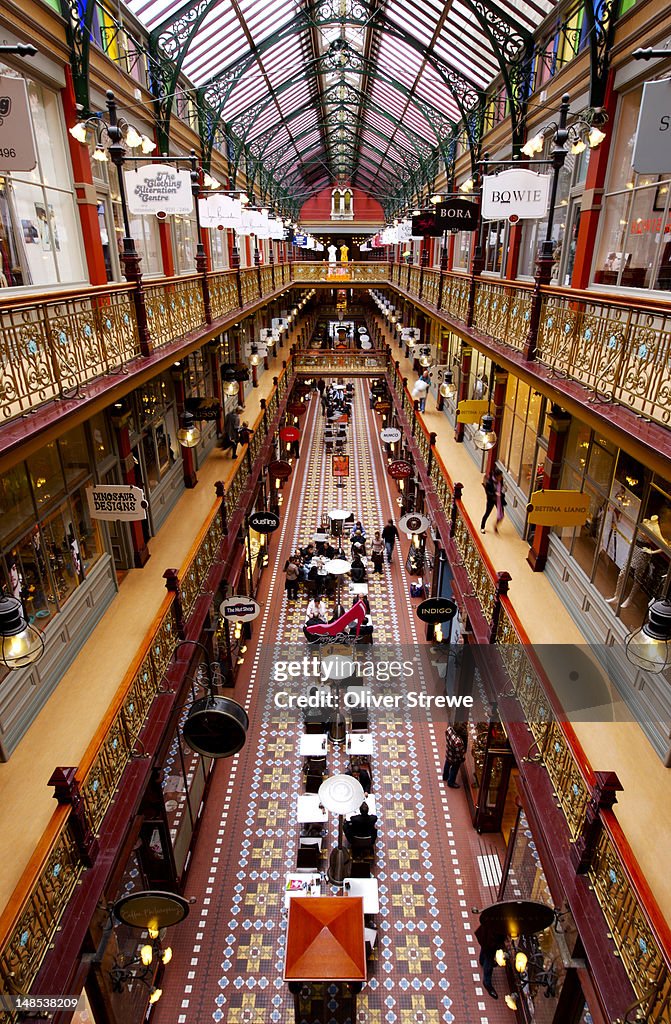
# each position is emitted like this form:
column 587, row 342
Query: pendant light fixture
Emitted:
column 20, row 643
column 648, row 647
column 188, row 434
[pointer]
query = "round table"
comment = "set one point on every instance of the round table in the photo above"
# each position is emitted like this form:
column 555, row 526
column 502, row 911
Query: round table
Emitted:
column 341, row 795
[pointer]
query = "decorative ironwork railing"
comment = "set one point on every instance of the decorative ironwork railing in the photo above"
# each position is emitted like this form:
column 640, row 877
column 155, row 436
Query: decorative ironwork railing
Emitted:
column 30, row 921
column 339, row 362
column 345, row 273
column 174, row 307
column 503, row 311
column 223, row 293
column 249, row 286
column 640, row 935
column 52, row 348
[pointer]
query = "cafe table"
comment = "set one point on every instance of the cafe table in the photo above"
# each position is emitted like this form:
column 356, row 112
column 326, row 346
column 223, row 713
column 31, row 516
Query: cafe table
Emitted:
column 360, row 743
column 309, row 810
column 313, row 744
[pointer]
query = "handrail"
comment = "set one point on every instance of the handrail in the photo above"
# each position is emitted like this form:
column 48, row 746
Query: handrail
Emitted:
column 26, row 931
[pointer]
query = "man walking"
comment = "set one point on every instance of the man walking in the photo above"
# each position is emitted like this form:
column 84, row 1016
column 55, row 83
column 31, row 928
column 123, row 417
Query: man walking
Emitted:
column 389, row 536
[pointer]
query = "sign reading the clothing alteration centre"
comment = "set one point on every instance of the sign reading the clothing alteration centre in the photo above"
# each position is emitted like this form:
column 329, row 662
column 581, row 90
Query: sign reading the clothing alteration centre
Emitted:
column 158, row 188
column 17, row 142
column 113, row 502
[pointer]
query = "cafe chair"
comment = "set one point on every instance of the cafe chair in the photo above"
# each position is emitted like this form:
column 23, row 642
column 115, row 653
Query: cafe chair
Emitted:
column 360, row 869
column 370, row 938
column 313, row 782
column 363, row 848
column 308, row 858
column 359, row 721
column 314, row 726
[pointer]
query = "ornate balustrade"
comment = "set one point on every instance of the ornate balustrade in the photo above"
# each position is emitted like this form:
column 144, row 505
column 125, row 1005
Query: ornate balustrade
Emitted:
column 503, row 311
column 354, row 361
column 641, row 937
column 223, row 293
column 619, row 353
column 51, row 348
column 454, row 300
column 430, row 286
column 335, row 273
column 30, row 921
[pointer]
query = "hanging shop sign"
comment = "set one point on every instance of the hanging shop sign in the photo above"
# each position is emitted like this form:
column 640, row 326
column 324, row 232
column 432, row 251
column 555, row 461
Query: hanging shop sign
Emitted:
column 558, row 508
column 158, row 188
column 151, row 909
column 411, row 334
column 472, row 410
column 17, row 141
column 400, row 470
column 219, row 211
column 414, row 523
column 519, row 193
column 457, row 215
column 301, row 240
column 240, row 609
column 296, row 409
column 390, row 435
column 436, row 609
column 264, row 522
column 289, row 434
column 383, row 407
column 279, row 470
column 117, row 502
column 424, row 224
column 203, row 408
column 652, row 146
column 340, row 465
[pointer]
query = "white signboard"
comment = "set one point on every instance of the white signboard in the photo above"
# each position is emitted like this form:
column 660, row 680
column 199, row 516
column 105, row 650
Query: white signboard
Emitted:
column 652, row 146
column 517, row 193
column 414, row 523
column 261, row 350
column 390, row 435
column 17, row 142
column 279, row 322
column 219, row 211
column 239, row 609
column 113, row 502
column 158, row 188
column 404, row 231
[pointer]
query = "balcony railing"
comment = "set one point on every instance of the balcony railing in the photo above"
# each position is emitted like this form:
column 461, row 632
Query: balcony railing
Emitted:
column 345, row 273
column 640, row 935
column 620, row 351
column 32, row 917
column 325, row 362
column 53, row 345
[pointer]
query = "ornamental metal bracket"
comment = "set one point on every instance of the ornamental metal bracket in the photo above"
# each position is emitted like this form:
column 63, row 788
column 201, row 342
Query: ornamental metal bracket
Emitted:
column 600, row 17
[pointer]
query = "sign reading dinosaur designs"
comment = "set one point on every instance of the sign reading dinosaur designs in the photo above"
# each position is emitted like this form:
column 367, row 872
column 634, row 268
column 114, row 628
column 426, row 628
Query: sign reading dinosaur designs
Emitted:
column 158, row 188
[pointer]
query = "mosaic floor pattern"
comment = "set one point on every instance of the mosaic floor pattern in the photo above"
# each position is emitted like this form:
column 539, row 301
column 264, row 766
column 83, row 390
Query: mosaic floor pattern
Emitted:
column 229, row 952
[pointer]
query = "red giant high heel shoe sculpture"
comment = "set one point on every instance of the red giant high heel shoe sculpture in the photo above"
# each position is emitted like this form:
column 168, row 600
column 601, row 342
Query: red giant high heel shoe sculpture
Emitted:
column 357, row 613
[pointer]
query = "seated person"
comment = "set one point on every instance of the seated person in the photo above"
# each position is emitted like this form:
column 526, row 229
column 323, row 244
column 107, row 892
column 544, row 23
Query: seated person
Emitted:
column 361, row 825
column 358, row 570
column 316, row 611
column 358, row 542
column 329, row 551
column 308, row 552
column 358, row 527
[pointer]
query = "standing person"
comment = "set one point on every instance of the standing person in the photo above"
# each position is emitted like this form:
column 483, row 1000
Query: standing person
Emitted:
column 490, row 939
column 496, row 498
column 456, row 738
column 377, row 552
column 389, row 536
column 292, row 576
column 232, row 428
column 420, row 390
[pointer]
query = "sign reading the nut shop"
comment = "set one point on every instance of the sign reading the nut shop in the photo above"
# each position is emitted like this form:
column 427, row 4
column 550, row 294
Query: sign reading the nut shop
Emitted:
column 558, row 508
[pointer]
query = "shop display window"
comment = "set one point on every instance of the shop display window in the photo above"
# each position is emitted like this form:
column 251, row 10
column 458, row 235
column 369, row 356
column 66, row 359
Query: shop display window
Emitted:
column 634, row 248
column 101, row 437
column 40, row 241
column 16, row 503
column 496, row 244
column 184, row 238
column 75, row 456
column 46, row 474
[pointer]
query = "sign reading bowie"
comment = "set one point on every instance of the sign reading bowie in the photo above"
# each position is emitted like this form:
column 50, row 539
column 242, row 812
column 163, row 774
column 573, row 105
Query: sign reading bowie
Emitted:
column 158, row 188
column 518, row 193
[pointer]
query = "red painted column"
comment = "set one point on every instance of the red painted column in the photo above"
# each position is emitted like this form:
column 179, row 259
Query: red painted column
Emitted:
column 129, row 476
column 560, row 422
column 167, row 255
column 590, row 208
column 498, row 405
column 464, row 377
column 188, row 465
column 514, row 242
column 87, row 200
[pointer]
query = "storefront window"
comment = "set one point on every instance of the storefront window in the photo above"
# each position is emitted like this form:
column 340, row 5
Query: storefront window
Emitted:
column 75, row 456
column 570, row 183
column 218, row 249
column 184, row 235
column 496, row 242
column 16, row 503
column 519, row 432
column 46, row 474
column 635, row 238
column 39, row 231
column 100, row 436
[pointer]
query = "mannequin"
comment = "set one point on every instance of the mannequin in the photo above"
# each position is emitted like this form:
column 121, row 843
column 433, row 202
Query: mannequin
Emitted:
column 333, row 253
column 344, row 254
column 640, row 564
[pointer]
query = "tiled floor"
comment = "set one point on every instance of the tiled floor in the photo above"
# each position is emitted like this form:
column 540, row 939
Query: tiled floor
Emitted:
column 229, row 952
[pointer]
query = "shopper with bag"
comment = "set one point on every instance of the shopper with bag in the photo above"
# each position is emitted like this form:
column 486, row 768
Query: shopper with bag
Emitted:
column 420, row 390
column 496, row 498
column 456, row 738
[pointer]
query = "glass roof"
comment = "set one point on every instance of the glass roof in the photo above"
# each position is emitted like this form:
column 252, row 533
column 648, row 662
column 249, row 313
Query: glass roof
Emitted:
column 326, row 92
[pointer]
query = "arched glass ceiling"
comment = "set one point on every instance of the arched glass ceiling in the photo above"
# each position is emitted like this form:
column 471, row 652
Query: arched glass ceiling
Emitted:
column 365, row 92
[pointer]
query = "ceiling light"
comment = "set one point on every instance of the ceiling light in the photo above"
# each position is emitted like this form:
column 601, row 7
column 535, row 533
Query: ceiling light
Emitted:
column 166, row 956
column 579, row 146
column 147, row 145
column 188, row 434
column 648, row 647
column 511, row 1001
column 20, row 643
column 484, row 437
column 534, row 145
column 521, row 961
column 132, row 138
column 468, row 185
column 500, row 957
column 155, row 995
column 146, row 955
column 448, row 388
column 436, row 199
column 78, row 131
column 100, row 155
column 595, row 137
column 210, row 182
